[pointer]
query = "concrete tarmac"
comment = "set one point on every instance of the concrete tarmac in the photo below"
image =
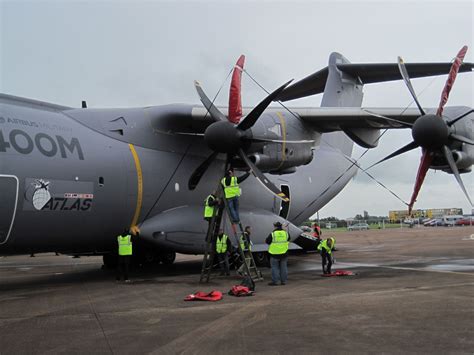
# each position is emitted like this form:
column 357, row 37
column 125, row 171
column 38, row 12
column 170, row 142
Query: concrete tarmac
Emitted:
column 413, row 292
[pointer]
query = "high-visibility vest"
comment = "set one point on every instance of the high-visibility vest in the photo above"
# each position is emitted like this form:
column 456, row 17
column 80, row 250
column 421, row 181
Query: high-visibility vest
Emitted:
column 208, row 210
column 221, row 244
column 231, row 190
column 243, row 242
column 324, row 245
column 125, row 244
column 279, row 243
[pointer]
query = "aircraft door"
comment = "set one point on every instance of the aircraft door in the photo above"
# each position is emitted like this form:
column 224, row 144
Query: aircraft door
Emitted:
column 8, row 198
column 284, row 209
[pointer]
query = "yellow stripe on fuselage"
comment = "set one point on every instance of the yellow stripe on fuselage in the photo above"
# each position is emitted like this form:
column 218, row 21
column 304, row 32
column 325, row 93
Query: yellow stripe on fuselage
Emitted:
column 283, row 136
column 140, row 186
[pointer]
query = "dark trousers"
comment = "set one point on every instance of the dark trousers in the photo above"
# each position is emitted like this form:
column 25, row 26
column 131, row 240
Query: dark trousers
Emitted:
column 223, row 263
column 122, row 266
column 327, row 262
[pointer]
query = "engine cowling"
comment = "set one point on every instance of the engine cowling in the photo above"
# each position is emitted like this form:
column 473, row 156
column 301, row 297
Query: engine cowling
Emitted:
column 276, row 158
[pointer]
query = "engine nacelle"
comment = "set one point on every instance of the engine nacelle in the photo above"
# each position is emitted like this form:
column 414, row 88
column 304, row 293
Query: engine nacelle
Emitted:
column 283, row 160
column 463, row 160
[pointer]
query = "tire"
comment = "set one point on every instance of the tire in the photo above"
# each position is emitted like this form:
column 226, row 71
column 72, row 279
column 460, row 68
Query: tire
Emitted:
column 261, row 258
column 168, row 258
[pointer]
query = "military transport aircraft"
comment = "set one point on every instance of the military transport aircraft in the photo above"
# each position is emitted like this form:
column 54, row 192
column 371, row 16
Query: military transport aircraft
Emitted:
column 72, row 178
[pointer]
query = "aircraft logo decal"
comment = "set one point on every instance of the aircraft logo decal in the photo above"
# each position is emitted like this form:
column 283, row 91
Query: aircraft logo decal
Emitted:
column 41, row 196
column 58, row 195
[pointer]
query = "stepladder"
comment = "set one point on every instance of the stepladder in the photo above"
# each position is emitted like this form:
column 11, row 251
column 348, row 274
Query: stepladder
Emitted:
column 248, row 267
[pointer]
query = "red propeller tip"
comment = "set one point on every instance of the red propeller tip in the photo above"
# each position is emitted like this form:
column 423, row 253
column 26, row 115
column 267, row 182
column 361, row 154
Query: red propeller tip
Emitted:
column 235, row 99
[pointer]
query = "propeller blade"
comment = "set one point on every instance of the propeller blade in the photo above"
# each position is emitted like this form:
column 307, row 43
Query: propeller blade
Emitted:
column 406, row 79
column 213, row 110
column 253, row 116
column 262, row 178
column 454, row 169
column 450, row 123
column 461, row 139
column 425, row 163
column 235, row 99
column 199, row 172
column 407, row 148
column 453, row 72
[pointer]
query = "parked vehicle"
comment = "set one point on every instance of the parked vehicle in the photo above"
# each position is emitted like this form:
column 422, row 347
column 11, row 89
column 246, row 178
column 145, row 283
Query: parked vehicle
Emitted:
column 450, row 221
column 358, row 227
column 436, row 222
column 467, row 221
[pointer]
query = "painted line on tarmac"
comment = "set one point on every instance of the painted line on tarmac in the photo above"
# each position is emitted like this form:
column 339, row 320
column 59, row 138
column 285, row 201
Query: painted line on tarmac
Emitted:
column 403, row 268
column 34, row 266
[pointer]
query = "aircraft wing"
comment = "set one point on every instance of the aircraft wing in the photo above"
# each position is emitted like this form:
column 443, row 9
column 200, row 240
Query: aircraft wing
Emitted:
column 366, row 74
column 329, row 119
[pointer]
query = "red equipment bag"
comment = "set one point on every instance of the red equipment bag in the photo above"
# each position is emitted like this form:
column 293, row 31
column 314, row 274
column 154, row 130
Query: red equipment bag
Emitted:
column 204, row 296
column 339, row 273
column 239, row 290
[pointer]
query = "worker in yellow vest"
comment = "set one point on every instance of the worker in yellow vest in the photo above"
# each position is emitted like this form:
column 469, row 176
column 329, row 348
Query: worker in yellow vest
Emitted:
column 279, row 241
column 125, row 251
column 232, row 191
column 210, row 203
column 223, row 249
column 245, row 245
column 245, row 242
column 326, row 247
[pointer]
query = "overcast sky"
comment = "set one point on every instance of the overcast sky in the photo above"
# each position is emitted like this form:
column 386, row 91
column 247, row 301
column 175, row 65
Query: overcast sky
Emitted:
column 120, row 54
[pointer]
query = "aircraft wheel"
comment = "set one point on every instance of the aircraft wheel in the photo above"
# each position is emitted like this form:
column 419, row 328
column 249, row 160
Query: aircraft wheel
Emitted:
column 261, row 258
column 168, row 258
column 149, row 257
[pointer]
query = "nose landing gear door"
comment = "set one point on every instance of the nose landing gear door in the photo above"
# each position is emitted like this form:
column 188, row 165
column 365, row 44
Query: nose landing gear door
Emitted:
column 9, row 200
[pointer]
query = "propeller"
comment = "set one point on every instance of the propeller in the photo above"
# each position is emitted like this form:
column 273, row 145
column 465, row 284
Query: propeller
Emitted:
column 231, row 135
column 431, row 132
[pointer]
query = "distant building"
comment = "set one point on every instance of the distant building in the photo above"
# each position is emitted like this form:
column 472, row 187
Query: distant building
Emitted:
column 366, row 215
column 428, row 213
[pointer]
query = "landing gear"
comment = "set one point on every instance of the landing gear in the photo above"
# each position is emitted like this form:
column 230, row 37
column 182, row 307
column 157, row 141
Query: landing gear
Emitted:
column 141, row 258
column 261, row 258
column 167, row 258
